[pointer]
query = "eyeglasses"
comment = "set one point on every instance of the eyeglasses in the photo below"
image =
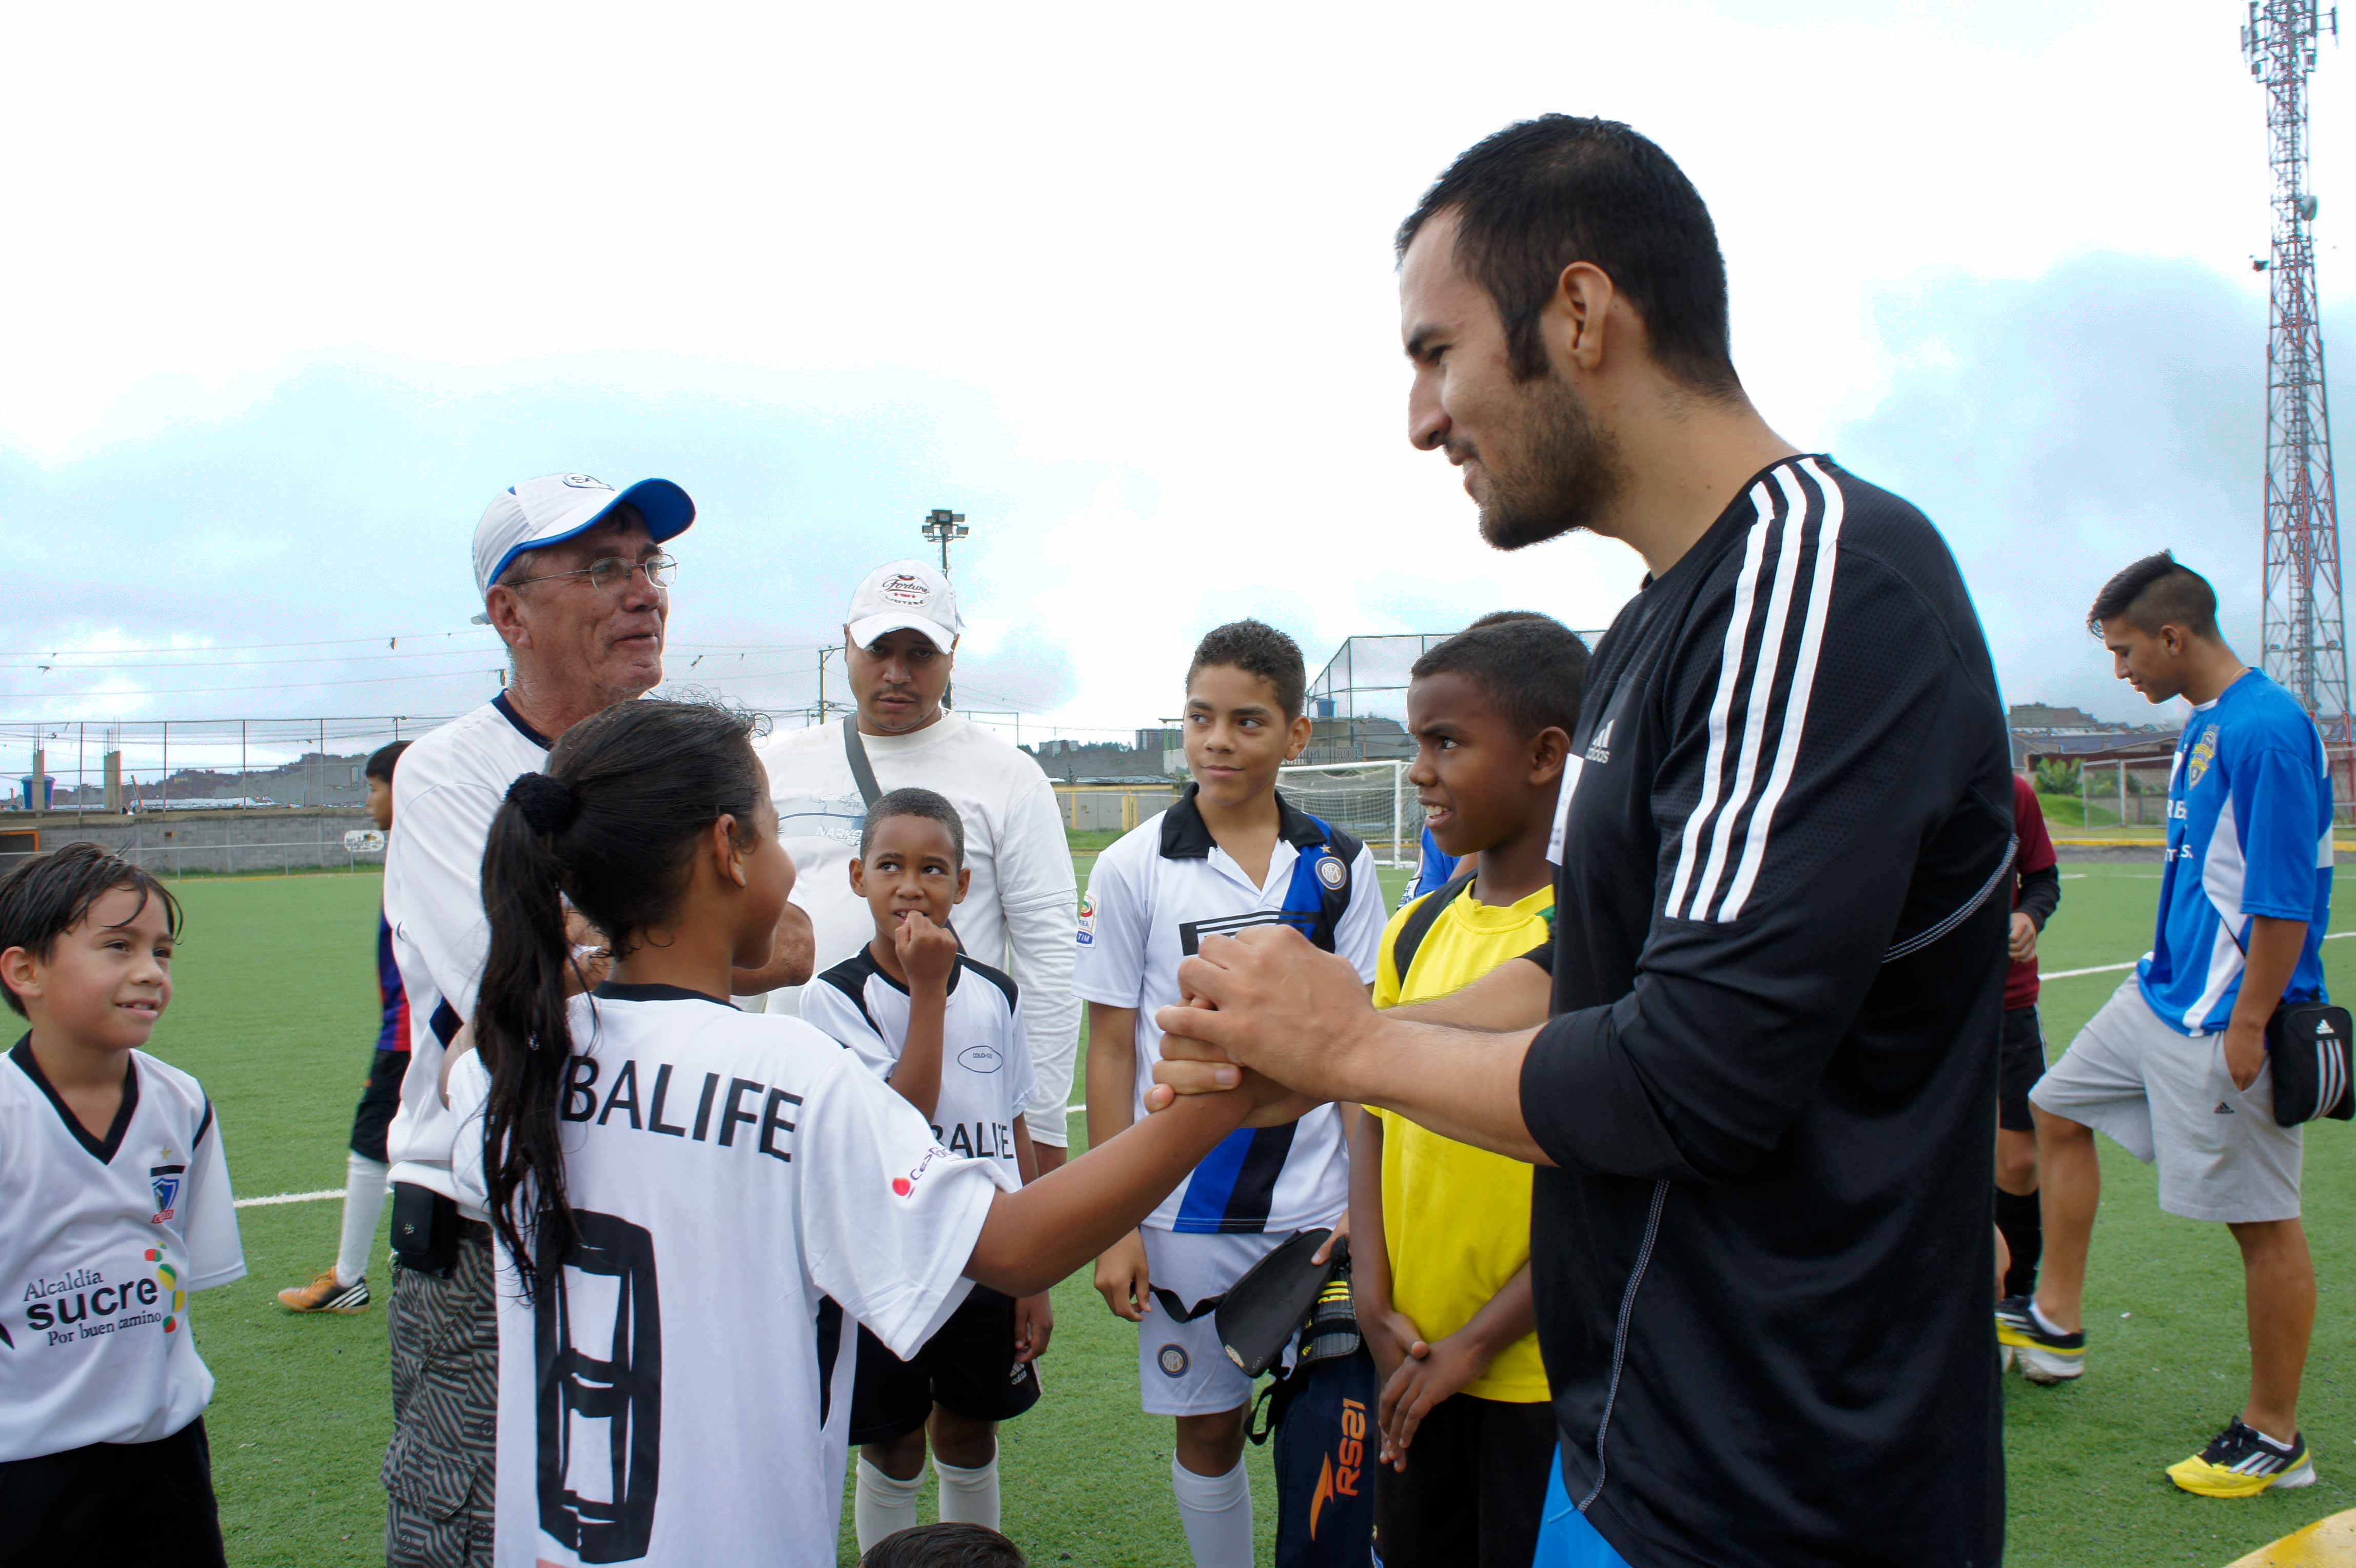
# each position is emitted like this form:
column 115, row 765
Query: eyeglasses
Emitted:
column 613, row 572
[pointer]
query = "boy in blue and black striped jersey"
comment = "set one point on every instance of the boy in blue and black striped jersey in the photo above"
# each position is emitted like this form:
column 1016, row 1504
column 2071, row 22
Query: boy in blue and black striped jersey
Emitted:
column 1231, row 854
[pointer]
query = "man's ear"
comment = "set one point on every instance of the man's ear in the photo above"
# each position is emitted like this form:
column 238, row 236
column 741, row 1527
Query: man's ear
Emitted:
column 20, row 972
column 1297, row 737
column 1549, row 754
column 503, row 607
column 1578, row 316
column 965, row 880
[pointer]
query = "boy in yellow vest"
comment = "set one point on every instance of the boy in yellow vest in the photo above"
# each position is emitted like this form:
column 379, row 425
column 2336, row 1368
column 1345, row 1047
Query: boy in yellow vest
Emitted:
column 1440, row 1231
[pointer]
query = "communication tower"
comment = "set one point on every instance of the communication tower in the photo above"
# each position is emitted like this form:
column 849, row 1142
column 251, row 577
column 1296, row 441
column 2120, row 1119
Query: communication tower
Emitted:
column 2304, row 630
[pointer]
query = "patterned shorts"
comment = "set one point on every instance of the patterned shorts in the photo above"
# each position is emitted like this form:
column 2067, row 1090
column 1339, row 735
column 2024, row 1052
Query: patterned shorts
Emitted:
column 445, row 1370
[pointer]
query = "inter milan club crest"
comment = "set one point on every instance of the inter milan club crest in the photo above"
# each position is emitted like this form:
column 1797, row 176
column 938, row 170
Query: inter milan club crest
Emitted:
column 166, row 1180
column 1332, row 872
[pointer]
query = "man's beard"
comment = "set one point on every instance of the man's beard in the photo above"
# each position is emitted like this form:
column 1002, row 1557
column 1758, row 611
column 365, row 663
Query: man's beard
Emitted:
column 1572, row 473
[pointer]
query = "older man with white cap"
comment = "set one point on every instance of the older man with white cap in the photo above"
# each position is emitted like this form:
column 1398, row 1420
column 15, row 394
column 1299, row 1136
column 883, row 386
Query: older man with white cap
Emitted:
column 573, row 575
column 899, row 642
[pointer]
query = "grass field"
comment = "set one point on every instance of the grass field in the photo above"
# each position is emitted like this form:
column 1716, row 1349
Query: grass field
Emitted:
column 275, row 1009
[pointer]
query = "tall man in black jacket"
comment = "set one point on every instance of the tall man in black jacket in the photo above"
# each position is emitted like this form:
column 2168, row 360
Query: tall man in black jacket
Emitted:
column 1755, row 1064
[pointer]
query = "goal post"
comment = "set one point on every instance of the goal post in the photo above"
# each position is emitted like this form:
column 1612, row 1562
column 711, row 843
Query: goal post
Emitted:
column 1372, row 801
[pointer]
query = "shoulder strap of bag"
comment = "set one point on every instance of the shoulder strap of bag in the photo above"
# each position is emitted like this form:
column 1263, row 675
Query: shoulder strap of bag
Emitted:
column 855, row 750
column 1418, row 922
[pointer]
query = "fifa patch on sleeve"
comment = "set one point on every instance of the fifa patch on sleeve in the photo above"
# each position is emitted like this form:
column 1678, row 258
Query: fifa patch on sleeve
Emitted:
column 1086, row 936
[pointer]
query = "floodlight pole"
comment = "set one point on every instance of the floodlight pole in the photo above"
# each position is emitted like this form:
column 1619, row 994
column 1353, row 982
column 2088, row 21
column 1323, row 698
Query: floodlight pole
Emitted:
column 943, row 527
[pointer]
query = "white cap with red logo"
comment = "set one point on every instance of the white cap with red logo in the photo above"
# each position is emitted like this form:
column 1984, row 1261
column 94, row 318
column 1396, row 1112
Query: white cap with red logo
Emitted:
column 905, row 596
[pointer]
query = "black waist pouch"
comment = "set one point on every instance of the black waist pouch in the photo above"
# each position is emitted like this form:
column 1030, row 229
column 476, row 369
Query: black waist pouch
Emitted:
column 425, row 1229
column 2307, row 1044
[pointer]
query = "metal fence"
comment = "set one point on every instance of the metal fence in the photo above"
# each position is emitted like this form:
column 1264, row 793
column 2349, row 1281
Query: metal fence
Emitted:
column 115, row 767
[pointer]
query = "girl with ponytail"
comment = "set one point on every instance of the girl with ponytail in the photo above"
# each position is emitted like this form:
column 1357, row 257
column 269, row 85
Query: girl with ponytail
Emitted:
column 683, row 1193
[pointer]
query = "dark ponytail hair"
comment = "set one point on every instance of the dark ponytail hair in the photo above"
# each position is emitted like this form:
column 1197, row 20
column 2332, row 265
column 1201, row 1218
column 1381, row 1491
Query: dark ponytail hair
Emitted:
column 609, row 825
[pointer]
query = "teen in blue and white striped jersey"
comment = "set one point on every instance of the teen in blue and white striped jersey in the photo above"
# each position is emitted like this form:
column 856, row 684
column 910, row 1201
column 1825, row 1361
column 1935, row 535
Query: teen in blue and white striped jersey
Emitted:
column 1232, row 854
column 2174, row 1067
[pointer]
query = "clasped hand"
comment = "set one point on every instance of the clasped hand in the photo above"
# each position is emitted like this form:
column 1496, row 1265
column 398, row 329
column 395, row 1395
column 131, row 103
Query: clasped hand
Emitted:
column 1268, row 1002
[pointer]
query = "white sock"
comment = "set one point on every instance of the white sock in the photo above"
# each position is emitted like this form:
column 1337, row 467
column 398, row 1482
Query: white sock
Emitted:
column 363, row 1207
column 1217, row 1513
column 969, row 1497
column 885, row 1505
column 2044, row 1322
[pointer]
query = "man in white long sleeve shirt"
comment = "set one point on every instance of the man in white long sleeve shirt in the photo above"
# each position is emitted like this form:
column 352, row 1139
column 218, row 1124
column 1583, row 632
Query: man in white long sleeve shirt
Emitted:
column 900, row 641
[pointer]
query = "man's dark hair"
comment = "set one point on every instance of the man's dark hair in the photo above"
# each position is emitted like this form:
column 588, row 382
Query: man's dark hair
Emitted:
column 1507, row 618
column 380, row 761
column 1257, row 649
column 914, row 803
column 1540, row 194
column 943, row 1546
column 2156, row 591
column 1532, row 667
column 51, row 894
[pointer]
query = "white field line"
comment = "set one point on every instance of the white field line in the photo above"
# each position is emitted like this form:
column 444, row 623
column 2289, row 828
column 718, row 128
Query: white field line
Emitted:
column 290, row 1198
column 1082, row 1108
column 2115, row 968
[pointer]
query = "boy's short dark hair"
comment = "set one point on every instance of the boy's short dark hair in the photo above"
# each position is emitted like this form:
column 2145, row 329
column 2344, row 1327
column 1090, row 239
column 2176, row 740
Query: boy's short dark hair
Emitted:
column 51, row 894
column 1503, row 618
column 943, row 1546
column 1257, row 649
column 380, row 761
column 1538, row 195
column 2156, row 591
column 1532, row 667
column 914, row 803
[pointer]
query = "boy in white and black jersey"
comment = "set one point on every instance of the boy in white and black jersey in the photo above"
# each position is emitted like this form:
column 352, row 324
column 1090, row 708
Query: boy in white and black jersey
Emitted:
column 947, row 1032
column 114, row 1204
column 1233, row 854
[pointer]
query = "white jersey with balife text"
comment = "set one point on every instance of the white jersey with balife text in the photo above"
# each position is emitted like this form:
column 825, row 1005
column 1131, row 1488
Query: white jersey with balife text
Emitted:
column 681, row 1391
column 1153, row 896
column 986, row 1077
column 100, row 1241
column 1017, row 915
column 444, row 793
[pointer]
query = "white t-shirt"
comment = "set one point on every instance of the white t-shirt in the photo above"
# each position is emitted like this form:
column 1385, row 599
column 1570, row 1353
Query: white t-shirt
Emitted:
column 100, row 1241
column 445, row 791
column 683, row 1394
column 1017, row 915
column 1152, row 897
column 986, row 1079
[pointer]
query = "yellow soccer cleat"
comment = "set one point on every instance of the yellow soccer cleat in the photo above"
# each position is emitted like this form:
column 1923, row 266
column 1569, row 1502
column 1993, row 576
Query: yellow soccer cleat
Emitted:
column 323, row 1294
column 2242, row 1462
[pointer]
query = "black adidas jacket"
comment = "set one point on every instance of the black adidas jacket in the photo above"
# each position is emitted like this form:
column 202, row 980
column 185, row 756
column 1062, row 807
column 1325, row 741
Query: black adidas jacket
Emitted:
column 1763, row 1265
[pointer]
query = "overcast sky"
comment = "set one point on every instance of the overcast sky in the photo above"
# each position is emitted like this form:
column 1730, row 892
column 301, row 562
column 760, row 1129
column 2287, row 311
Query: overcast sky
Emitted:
column 289, row 295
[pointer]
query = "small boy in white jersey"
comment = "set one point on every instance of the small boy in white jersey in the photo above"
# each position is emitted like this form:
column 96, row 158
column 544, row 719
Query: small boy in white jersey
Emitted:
column 1231, row 854
column 114, row 1203
column 947, row 1032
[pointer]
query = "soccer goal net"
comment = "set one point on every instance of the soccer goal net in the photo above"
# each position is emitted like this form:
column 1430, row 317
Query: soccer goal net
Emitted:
column 1371, row 800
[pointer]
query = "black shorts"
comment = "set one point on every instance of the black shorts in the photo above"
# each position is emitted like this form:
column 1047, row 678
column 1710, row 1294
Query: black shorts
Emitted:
column 1475, row 1488
column 114, row 1501
column 379, row 1100
column 2019, row 1063
column 969, row 1368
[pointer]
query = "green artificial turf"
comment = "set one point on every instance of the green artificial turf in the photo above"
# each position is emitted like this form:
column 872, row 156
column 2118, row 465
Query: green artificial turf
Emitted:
column 275, row 1010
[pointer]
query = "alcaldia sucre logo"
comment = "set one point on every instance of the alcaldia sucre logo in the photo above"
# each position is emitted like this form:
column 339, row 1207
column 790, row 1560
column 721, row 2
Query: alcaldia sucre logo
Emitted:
column 84, row 1304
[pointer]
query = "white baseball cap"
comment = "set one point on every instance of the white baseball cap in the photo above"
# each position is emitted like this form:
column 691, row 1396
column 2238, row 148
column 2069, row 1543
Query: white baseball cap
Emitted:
column 555, row 507
column 906, row 594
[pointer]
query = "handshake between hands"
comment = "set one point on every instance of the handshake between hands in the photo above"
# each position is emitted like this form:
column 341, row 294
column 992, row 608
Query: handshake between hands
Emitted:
column 1266, row 1014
